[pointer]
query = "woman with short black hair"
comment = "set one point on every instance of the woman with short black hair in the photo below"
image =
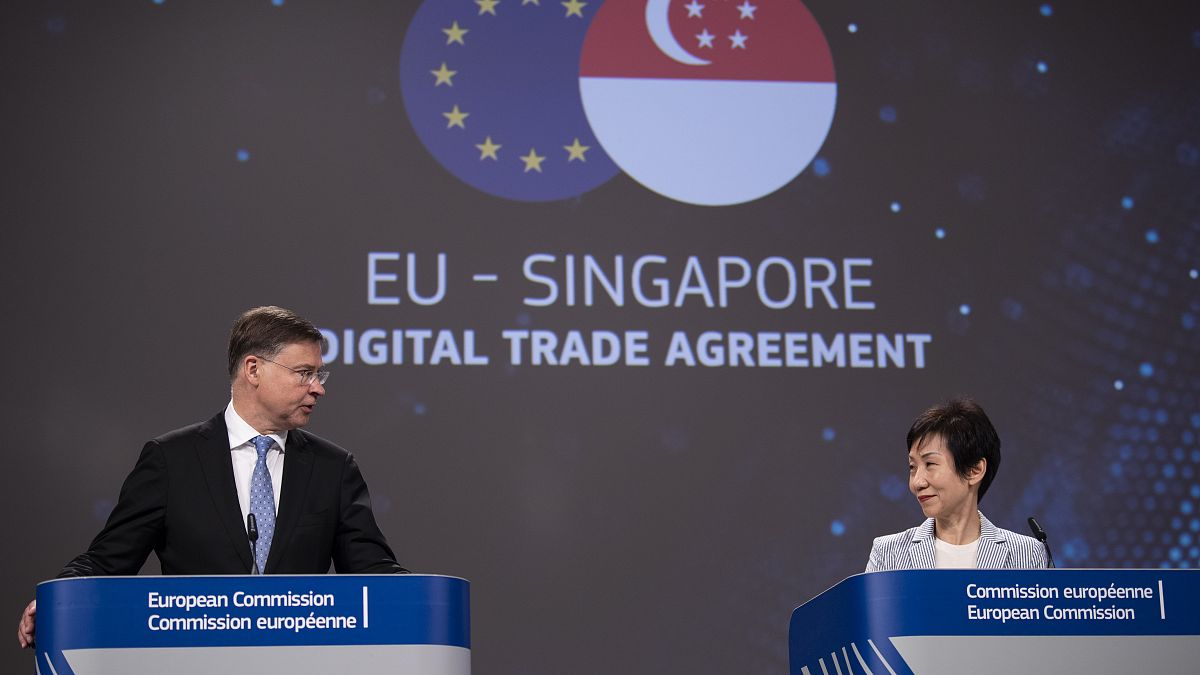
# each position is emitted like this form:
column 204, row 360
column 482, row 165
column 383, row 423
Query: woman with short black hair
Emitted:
column 953, row 456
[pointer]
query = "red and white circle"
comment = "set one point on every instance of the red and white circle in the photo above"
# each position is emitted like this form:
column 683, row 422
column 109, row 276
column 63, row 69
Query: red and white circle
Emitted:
column 709, row 102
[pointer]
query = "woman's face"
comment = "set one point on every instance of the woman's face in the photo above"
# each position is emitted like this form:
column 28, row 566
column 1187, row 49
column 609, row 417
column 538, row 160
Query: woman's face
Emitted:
column 932, row 478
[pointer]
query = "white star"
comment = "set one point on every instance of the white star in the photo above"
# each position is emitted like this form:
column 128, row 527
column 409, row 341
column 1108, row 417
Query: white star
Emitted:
column 747, row 10
column 737, row 40
column 694, row 9
column 705, row 39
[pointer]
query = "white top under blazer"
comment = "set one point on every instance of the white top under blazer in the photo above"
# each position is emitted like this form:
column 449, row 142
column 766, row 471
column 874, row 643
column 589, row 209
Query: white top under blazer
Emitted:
column 998, row 549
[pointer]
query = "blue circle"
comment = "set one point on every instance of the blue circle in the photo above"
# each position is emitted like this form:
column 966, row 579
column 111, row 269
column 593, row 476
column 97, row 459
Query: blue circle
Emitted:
column 821, row 166
column 892, row 487
column 1152, row 236
column 243, row 155
column 1042, row 67
column 1146, row 370
column 887, row 114
column 828, row 434
column 501, row 57
column 1046, row 10
column 1127, row 202
column 940, row 233
column 1118, row 385
column 853, row 28
column 837, row 528
column 895, row 207
column 964, row 309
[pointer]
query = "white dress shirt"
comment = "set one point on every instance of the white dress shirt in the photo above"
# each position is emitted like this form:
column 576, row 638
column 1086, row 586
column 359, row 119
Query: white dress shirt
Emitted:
column 245, row 457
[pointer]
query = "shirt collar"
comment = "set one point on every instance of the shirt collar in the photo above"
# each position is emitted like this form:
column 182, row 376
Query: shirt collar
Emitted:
column 240, row 433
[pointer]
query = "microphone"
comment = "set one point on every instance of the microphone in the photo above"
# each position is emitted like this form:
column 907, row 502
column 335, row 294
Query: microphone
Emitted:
column 1040, row 535
column 252, row 533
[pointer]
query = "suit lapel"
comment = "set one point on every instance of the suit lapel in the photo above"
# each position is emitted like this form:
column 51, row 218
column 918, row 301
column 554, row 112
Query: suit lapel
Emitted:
column 920, row 551
column 994, row 551
column 297, row 468
column 212, row 449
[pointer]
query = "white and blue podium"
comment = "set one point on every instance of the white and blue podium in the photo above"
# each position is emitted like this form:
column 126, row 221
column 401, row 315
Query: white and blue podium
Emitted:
column 985, row 622
column 401, row 623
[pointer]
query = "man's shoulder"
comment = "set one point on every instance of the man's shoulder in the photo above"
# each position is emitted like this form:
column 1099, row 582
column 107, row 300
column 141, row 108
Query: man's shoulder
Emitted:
column 307, row 441
column 214, row 426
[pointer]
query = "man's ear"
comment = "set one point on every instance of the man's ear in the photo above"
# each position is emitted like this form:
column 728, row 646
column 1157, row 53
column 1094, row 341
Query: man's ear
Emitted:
column 249, row 368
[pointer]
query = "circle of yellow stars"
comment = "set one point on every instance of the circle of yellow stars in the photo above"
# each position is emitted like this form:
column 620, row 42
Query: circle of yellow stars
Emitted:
column 456, row 118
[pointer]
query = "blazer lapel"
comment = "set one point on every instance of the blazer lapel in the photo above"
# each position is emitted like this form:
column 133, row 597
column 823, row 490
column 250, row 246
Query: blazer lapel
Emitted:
column 994, row 551
column 920, row 551
column 212, row 449
column 297, row 468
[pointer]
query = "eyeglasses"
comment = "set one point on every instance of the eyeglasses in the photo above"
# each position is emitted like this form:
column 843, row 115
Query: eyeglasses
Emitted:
column 307, row 376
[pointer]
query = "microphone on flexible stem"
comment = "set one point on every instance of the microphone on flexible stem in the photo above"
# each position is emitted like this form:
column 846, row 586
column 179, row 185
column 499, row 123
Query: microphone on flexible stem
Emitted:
column 252, row 533
column 1040, row 535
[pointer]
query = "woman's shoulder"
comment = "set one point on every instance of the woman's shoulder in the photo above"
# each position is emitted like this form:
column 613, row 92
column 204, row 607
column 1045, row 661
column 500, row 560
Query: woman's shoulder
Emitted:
column 892, row 551
column 1026, row 551
column 903, row 537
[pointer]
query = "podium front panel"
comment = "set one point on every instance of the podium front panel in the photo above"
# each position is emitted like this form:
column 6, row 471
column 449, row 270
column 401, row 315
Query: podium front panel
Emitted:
column 1001, row 621
column 261, row 624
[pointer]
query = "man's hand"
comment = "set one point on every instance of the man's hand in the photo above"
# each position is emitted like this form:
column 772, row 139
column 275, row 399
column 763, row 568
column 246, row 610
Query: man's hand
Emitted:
column 25, row 629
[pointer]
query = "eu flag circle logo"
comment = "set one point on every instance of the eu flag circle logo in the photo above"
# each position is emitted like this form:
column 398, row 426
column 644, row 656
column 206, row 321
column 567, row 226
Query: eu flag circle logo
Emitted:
column 705, row 102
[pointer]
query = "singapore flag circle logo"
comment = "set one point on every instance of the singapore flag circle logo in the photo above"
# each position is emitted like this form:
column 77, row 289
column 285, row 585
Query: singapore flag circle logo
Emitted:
column 707, row 102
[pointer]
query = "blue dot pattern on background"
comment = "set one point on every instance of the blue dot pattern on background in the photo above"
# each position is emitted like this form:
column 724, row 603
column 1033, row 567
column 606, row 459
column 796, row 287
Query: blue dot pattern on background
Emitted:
column 262, row 501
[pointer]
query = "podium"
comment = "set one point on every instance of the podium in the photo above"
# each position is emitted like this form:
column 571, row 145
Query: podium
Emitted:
column 985, row 622
column 205, row 625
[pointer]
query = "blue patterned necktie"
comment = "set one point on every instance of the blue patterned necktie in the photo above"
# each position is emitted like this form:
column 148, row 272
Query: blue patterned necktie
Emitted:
column 262, row 501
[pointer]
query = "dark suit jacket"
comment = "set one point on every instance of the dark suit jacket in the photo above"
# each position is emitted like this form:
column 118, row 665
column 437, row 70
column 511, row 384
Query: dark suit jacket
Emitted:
column 180, row 501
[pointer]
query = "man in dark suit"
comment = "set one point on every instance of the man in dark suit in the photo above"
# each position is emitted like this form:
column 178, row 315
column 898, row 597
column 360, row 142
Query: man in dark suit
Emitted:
column 189, row 495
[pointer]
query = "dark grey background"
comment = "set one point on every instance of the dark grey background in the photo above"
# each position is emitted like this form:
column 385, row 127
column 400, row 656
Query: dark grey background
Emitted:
column 614, row 519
